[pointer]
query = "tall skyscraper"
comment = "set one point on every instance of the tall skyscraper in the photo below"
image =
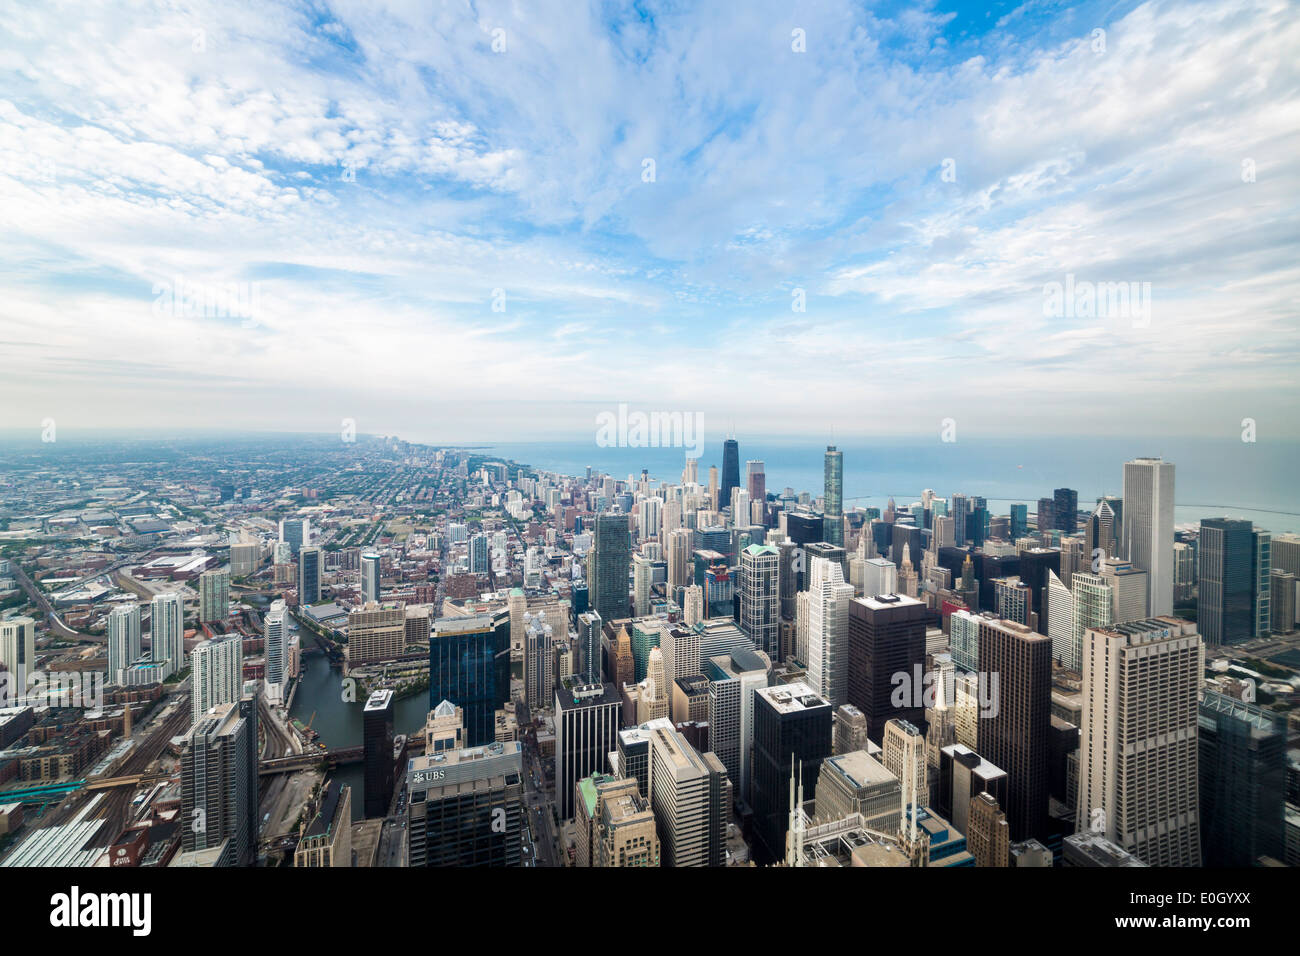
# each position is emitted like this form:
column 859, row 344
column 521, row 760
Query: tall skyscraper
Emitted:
column 690, row 796
column 469, row 665
column 214, row 596
column 1065, row 503
column 828, row 630
column 1093, row 605
column 1138, row 775
column 466, row 807
column 792, row 736
column 124, row 639
column 370, row 576
column 377, row 741
column 309, row 569
column 1242, row 754
column 216, row 674
column 611, row 555
column 886, row 637
column 730, row 472
column 1148, row 527
column 219, row 783
column 167, row 629
column 1016, row 737
column 1019, row 524
column 834, row 492
column 587, row 720
column 760, row 597
column 756, row 481
column 1235, row 581
column 1060, row 628
column 734, row 676
column 295, row 532
column 276, row 644
column 679, row 561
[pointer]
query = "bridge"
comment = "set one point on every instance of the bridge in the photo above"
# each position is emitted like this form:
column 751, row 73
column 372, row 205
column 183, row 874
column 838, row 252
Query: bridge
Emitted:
column 305, row 761
column 43, row 792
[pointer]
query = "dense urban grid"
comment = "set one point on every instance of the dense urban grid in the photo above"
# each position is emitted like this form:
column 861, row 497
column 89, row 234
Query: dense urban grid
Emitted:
column 363, row 652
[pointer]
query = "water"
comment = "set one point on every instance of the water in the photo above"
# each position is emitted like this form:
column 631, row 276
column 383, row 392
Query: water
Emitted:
column 1214, row 477
column 320, row 691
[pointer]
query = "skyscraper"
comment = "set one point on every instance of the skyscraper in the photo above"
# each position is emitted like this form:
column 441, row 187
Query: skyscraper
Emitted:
column 124, row 639
column 1148, row 527
column 370, row 576
column 756, row 481
column 834, row 492
column 275, row 641
column 610, row 558
column 466, row 807
column 167, row 629
column 1235, row 581
column 216, row 675
column 828, row 630
column 295, row 532
column 587, row 719
column 886, row 637
column 377, row 741
column 309, row 569
column 1019, row 525
column 469, row 665
column 760, row 597
column 792, row 735
column 730, row 473
column 219, row 783
column 1138, row 775
column 1065, row 503
column 214, row 596
column 690, row 796
column 1016, row 737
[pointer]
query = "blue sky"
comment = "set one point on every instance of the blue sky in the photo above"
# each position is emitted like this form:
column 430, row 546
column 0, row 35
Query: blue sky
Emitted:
column 384, row 174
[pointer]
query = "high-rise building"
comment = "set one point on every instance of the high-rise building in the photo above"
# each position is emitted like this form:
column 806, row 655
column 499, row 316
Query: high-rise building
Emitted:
column 903, row 755
column 1138, row 776
column 886, row 638
column 377, row 742
column 1060, row 627
column 219, row 783
column 828, row 630
column 1019, row 525
column 466, row 807
column 480, row 554
column 730, row 472
column 792, row 736
column 376, row 632
column 989, row 835
column 964, row 775
column 244, row 559
column 1065, row 503
column 690, row 796
column 611, row 555
column 124, row 639
column 850, row 730
column 834, row 493
column 623, row 824
column 325, row 835
column 1015, row 737
column 734, row 677
column 760, row 597
column 880, row 577
column 1103, row 531
column 370, row 578
column 276, row 643
column 587, row 720
column 1045, row 517
column 469, row 665
column 756, row 481
column 539, row 661
column 296, row 532
column 856, row 782
column 1242, row 753
column 216, row 675
column 1093, row 605
column 214, row 596
column 167, row 629
column 1148, row 527
column 1235, row 577
column 309, row 569
column 1130, row 588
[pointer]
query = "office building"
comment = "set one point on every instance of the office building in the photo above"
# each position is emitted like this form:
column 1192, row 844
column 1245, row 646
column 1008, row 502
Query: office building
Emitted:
column 828, row 630
column 886, row 637
column 377, row 742
column 760, row 597
column 1235, row 578
column 469, row 665
column 856, row 782
column 834, row 496
column 989, row 837
column 963, row 775
column 610, row 558
column 325, row 834
column 903, row 754
column 1242, row 765
column 244, row 559
column 466, row 807
column 587, row 720
column 296, row 532
column 1094, row 604
column 734, row 677
column 730, row 473
column 1148, row 527
column 792, row 736
column 690, row 796
column 376, row 632
column 276, row 645
column 219, row 782
column 1015, row 737
column 370, row 579
column 1066, row 510
column 1138, row 782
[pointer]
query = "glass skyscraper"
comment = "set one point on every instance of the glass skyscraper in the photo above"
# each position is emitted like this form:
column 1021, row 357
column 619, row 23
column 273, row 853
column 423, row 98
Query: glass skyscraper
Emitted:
column 469, row 665
column 834, row 510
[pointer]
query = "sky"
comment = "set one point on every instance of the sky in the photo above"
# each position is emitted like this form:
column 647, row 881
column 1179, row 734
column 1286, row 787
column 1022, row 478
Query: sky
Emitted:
column 495, row 221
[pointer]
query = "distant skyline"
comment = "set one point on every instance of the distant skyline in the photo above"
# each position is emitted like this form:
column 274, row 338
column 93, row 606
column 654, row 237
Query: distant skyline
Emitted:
column 369, row 180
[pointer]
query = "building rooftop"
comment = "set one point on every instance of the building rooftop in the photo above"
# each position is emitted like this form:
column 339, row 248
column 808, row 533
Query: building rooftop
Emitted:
column 792, row 698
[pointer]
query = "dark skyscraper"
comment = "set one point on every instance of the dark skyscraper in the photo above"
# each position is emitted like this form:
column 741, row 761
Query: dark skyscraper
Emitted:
column 219, row 783
column 730, row 473
column 1045, row 519
column 469, row 665
column 611, row 556
column 959, row 508
column 792, row 733
column 1016, row 736
column 377, row 738
column 1234, row 581
column 1065, row 505
column 886, row 637
column 834, row 490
